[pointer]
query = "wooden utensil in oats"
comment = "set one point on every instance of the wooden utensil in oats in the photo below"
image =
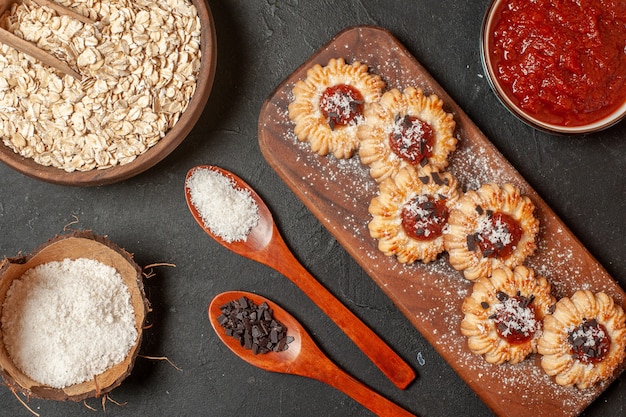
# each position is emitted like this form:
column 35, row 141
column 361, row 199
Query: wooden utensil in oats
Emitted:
column 28, row 48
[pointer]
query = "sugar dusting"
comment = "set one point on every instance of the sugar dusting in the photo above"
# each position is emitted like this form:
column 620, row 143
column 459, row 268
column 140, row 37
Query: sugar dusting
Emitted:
column 433, row 293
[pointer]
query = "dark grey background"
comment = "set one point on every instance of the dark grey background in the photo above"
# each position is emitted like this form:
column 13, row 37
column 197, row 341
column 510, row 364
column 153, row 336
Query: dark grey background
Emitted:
column 259, row 44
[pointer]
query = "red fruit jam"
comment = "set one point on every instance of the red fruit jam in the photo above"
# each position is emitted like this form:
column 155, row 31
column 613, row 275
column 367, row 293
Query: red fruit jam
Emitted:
column 341, row 104
column 562, row 62
column 497, row 234
column 515, row 318
column 589, row 341
column 412, row 139
column 424, row 217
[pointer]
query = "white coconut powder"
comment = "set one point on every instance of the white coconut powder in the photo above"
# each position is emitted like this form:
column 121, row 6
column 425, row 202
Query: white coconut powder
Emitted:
column 65, row 322
column 228, row 212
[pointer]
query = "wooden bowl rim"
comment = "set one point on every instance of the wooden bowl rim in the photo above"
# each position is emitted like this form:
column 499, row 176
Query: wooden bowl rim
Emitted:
column 496, row 86
column 156, row 153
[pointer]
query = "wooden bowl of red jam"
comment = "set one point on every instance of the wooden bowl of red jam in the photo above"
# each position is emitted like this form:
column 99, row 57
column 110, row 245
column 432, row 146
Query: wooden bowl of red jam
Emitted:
column 558, row 65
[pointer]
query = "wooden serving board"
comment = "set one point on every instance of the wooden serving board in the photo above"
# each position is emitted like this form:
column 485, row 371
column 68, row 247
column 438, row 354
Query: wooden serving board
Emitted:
column 338, row 193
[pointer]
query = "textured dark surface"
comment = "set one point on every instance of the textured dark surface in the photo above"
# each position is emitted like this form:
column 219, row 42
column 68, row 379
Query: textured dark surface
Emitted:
column 259, row 44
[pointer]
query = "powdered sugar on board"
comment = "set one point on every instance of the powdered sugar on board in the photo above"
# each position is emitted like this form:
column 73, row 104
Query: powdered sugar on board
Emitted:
column 338, row 193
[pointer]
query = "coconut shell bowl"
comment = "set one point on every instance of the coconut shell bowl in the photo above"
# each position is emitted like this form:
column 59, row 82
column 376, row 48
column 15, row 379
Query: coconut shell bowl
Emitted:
column 75, row 245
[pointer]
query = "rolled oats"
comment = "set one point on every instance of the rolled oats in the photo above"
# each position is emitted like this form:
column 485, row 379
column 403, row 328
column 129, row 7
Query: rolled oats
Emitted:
column 139, row 64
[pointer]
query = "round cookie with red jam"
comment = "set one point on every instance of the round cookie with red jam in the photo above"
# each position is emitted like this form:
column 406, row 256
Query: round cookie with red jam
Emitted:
column 329, row 105
column 489, row 228
column 405, row 129
column 410, row 213
column 584, row 340
column 504, row 314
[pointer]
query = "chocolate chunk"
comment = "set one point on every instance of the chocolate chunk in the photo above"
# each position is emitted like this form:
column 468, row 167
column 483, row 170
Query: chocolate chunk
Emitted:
column 256, row 332
column 471, row 242
column 422, row 147
column 502, row 296
column 274, row 336
column 354, row 105
column 222, row 319
column 254, row 326
column 428, row 205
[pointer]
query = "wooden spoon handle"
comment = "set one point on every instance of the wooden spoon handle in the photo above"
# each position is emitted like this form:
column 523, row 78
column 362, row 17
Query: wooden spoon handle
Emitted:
column 26, row 47
column 385, row 358
column 62, row 10
column 376, row 403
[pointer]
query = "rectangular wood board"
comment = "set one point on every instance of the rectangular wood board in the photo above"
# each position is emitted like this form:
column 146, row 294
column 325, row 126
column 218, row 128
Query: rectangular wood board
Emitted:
column 338, row 193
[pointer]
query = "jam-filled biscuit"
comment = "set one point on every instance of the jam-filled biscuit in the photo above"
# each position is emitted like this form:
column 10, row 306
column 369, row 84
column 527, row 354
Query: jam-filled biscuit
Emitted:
column 328, row 105
column 410, row 213
column 490, row 227
column 405, row 129
column 584, row 340
column 504, row 314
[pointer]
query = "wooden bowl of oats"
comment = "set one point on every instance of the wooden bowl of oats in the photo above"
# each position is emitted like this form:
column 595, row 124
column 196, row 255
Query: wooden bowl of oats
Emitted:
column 144, row 84
column 71, row 318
